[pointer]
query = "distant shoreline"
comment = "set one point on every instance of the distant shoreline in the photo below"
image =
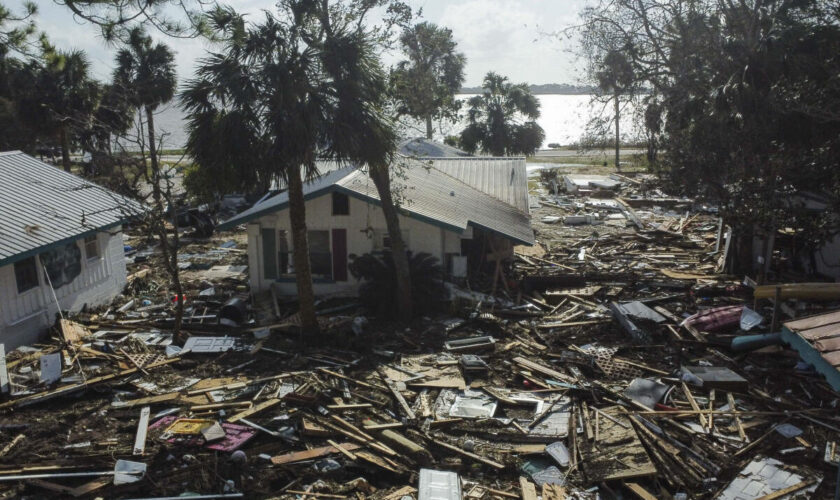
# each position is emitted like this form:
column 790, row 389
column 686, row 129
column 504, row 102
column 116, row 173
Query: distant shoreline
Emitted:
column 544, row 89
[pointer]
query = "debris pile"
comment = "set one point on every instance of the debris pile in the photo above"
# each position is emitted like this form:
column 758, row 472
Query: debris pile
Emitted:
column 619, row 364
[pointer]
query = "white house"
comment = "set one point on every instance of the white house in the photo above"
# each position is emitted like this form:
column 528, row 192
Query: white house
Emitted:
column 61, row 245
column 462, row 210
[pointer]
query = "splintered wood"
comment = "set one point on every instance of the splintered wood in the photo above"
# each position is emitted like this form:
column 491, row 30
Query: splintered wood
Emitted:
column 618, row 452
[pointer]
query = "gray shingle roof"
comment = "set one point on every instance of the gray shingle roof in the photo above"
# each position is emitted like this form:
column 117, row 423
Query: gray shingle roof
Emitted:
column 42, row 206
column 428, row 194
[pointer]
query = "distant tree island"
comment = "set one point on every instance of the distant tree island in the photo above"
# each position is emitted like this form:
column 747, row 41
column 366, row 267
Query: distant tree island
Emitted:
column 546, row 88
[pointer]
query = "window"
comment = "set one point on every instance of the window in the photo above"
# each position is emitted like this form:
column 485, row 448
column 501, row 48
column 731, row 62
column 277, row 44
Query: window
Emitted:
column 269, row 247
column 340, row 204
column 91, row 247
column 320, row 257
column 386, row 240
column 283, row 254
column 26, row 274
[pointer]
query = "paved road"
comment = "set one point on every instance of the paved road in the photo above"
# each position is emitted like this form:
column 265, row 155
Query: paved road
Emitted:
column 560, row 153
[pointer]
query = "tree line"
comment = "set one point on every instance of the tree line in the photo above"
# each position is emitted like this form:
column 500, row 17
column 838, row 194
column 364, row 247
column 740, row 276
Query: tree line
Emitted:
column 741, row 103
column 270, row 99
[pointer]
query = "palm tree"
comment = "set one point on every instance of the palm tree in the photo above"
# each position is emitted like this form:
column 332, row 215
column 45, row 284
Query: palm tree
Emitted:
column 145, row 75
column 502, row 120
column 283, row 94
column 616, row 77
column 63, row 97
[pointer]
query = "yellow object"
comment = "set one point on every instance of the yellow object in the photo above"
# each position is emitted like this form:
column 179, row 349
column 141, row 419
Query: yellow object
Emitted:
column 188, row 426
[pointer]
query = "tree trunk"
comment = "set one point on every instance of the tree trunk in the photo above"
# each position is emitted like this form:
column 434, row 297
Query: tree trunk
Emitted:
column 617, row 138
column 300, row 254
column 429, row 129
column 65, row 147
column 169, row 249
column 382, row 181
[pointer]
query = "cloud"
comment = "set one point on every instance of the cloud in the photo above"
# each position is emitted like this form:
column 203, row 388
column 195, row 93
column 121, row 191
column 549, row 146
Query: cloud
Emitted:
column 513, row 38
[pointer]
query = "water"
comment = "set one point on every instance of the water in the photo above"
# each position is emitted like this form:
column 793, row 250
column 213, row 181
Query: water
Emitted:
column 563, row 117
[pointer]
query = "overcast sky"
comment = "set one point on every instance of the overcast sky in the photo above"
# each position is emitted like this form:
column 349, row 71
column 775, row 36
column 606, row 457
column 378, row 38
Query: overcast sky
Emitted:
column 511, row 37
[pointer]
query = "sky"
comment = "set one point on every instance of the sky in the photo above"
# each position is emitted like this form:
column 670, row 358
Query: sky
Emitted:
column 511, row 37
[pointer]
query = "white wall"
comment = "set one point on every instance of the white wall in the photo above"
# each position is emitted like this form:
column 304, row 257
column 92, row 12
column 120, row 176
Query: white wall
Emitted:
column 24, row 317
column 421, row 237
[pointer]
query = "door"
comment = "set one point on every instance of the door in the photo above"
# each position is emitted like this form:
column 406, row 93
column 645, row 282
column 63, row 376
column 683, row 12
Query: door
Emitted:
column 339, row 254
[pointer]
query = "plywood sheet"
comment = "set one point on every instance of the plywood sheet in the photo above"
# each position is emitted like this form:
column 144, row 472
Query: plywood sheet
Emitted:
column 618, row 453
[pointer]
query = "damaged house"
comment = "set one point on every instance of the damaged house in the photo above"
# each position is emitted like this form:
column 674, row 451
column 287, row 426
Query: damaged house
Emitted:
column 466, row 211
column 61, row 245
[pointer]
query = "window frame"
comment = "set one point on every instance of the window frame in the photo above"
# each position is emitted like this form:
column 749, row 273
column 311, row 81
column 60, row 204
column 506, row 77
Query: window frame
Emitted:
column 37, row 279
column 346, row 201
column 328, row 253
column 95, row 242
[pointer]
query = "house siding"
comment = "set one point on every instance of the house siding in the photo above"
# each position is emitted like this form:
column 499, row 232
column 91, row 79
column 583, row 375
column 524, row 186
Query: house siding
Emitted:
column 421, row 237
column 24, row 317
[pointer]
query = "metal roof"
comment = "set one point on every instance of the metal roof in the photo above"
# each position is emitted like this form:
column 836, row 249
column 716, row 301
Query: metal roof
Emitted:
column 817, row 339
column 504, row 178
column 42, row 206
column 428, row 194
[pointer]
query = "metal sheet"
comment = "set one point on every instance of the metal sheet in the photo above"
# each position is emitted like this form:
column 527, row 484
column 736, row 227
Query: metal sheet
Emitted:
column 438, row 485
column 473, row 404
column 211, row 344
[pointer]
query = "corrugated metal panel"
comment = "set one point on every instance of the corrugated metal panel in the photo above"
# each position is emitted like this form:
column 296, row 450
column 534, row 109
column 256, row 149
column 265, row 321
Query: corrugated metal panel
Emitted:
column 435, row 195
column 503, row 178
column 426, row 193
column 41, row 205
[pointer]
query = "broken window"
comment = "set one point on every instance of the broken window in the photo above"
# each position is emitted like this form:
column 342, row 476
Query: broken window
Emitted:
column 269, row 247
column 62, row 264
column 91, row 247
column 340, row 204
column 320, row 257
column 283, row 253
column 26, row 274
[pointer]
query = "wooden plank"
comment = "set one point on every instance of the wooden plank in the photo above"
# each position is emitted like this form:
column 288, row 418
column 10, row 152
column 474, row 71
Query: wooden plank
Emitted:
column 12, row 444
column 72, row 332
column 810, row 322
column 399, row 397
column 92, row 486
column 268, row 403
column 828, row 345
column 693, row 404
column 618, row 453
column 298, row 456
column 341, row 449
column 150, row 400
column 536, row 367
column 465, row 453
column 553, row 492
column 69, row 389
column 529, row 491
column 639, row 491
column 731, row 400
column 821, row 332
column 788, row 490
column 142, row 428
